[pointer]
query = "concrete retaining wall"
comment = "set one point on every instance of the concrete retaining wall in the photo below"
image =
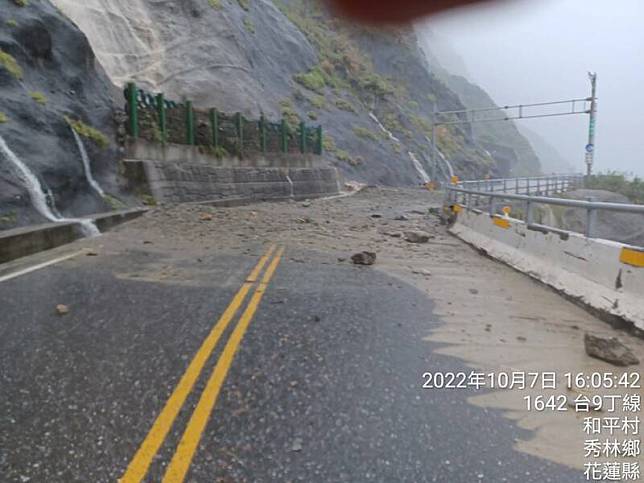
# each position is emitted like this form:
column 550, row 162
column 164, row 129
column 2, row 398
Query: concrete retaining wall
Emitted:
column 22, row 242
column 142, row 150
column 183, row 182
column 604, row 275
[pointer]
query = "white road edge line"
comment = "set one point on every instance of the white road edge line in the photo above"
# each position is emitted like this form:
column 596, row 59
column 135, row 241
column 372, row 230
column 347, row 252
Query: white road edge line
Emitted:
column 25, row 271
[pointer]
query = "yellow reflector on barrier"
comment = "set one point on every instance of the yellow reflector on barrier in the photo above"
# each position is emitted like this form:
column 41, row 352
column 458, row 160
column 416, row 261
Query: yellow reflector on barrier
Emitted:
column 457, row 208
column 501, row 222
column 632, row 257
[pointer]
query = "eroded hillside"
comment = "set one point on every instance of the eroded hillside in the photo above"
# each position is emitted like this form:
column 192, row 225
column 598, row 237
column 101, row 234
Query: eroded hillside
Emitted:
column 371, row 90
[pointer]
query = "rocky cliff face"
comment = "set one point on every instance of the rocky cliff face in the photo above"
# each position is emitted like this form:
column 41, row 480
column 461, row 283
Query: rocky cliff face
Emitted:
column 514, row 147
column 373, row 91
column 48, row 73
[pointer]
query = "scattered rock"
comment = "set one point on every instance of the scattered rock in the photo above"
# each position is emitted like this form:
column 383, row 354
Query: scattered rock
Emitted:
column 147, row 242
column 609, row 350
column 92, row 254
column 62, row 309
column 306, row 204
column 206, row 217
column 364, row 258
column 401, row 218
column 297, row 445
column 418, row 212
column 417, row 236
column 423, row 272
column 342, row 259
column 473, row 291
column 376, row 215
column 521, row 339
column 393, row 234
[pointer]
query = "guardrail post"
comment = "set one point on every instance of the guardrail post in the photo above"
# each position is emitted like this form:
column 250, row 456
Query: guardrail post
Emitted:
column 538, row 185
column 505, row 185
column 492, row 205
column 162, row 117
column 529, row 218
column 320, row 141
column 262, row 133
column 214, row 127
column 284, row 136
column 132, row 95
column 190, row 124
column 590, row 219
column 303, row 137
column 468, row 200
column 516, row 186
column 547, row 186
column 527, row 181
column 239, row 124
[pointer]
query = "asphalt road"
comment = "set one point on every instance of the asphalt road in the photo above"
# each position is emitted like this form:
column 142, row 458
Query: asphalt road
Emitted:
column 325, row 385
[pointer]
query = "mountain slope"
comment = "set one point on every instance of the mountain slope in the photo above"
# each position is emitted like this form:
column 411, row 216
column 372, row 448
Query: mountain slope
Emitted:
column 512, row 150
column 47, row 73
column 292, row 58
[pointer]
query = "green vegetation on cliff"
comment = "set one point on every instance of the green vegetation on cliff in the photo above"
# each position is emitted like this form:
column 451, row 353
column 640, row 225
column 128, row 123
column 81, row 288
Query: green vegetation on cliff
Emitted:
column 10, row 64
column 89, row 132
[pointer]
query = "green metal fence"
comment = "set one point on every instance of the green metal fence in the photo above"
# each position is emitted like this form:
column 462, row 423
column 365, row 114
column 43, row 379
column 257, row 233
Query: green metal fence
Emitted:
column 156, row 119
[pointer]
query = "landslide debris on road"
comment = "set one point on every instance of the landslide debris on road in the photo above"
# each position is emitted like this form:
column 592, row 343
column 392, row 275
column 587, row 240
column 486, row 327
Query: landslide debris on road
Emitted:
column 495, row 318
column 609, row 350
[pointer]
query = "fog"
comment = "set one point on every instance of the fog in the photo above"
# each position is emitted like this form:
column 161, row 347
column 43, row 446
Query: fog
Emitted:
column 532, row 51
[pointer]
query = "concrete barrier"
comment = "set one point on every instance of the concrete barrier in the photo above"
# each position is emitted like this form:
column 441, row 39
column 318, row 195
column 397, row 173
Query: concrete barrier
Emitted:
column 21, row 242
column 604, row 275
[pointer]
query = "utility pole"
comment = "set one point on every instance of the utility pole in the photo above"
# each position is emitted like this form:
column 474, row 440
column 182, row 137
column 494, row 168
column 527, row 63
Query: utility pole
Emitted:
column 432, row 152
column 590, row 147
column 520, row 111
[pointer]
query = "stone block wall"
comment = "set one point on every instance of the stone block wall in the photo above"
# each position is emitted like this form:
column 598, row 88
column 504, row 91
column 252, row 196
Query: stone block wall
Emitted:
column 182, row 182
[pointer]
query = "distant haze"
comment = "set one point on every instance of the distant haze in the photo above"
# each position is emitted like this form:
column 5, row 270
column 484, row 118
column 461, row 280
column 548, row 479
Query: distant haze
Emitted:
column 523, row 52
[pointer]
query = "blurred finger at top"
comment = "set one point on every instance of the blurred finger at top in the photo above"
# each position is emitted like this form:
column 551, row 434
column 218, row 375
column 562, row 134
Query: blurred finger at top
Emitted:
column 398, row 11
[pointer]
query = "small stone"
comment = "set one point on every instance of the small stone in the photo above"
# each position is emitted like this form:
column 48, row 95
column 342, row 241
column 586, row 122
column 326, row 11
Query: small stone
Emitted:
column 147, row 242
column 206, row 217
column 62, row 309
column 521, row 338
column 393, row 234
column 417, row 236
column 342, row 259
column 473, row 291
column 297, row 445
column 92, row 254
column 425, row 273
column 306, row 204
column 609, row 350
column 376, row 215
column 401, row 218
column 364, row 258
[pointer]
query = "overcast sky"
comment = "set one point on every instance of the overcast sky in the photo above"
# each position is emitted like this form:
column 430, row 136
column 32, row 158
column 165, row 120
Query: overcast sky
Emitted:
column 539, row 50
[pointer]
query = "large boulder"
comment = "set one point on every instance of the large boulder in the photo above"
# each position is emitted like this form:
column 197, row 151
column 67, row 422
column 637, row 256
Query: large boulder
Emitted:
column 609, row 350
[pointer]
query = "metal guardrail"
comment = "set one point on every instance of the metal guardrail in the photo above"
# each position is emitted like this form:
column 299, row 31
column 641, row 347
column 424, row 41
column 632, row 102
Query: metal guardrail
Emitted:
column 546, row 185
column 462, row 195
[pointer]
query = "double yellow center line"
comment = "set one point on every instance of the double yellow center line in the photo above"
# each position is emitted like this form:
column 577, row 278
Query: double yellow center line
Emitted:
column 182, row 459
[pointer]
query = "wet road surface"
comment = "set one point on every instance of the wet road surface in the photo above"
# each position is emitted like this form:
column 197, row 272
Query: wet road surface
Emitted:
column 316, row 376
